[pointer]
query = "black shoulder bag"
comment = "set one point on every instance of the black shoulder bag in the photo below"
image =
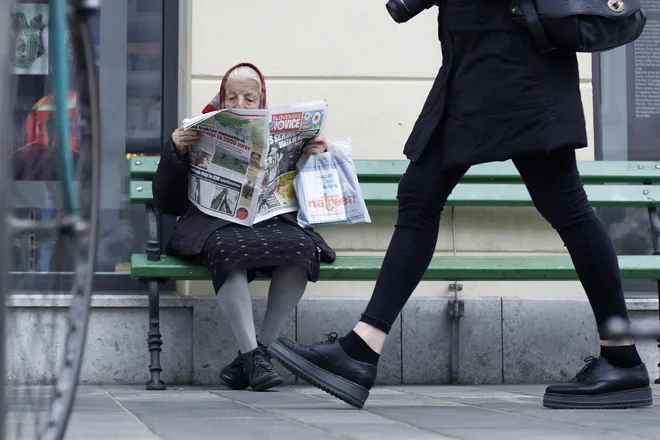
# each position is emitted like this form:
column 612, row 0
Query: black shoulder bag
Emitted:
column 580, row 25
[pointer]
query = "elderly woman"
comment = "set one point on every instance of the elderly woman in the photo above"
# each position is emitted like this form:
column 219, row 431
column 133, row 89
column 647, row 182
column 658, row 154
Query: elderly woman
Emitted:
column 291, row 254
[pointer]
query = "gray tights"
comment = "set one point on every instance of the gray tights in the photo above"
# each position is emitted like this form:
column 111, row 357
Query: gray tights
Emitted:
column 286, row 288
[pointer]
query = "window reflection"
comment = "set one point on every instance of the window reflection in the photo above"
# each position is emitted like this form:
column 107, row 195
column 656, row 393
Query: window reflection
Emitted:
column 127, row 37
column 622, row 136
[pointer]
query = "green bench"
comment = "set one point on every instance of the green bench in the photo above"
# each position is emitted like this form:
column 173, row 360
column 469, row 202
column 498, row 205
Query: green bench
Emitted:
column 608, row 184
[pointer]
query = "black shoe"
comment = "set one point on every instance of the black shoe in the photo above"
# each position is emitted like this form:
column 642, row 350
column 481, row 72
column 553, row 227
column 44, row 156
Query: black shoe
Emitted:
column 601, row 385
column 326, row 366
column 233, row 375
column 260, row 371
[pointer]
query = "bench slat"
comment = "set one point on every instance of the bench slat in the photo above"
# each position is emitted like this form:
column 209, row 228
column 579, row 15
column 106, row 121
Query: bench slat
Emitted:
column 483, row 194
column 480, row 194
column 505, row 172
column 461, row 268
column 141, row 192
column 144, row 167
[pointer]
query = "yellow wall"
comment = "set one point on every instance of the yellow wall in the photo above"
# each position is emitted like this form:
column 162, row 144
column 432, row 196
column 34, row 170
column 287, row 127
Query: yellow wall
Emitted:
column 375, row 75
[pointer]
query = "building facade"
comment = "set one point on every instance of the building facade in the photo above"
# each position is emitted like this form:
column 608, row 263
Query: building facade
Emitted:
column 162, row 60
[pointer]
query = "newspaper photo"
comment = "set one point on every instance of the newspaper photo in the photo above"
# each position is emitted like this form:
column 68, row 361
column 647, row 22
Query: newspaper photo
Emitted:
column 243, row 168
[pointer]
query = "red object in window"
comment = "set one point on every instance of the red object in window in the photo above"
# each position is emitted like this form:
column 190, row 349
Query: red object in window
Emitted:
column 41, row 128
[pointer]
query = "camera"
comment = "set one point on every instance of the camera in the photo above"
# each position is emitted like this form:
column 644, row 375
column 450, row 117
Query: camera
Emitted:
column 403, row 10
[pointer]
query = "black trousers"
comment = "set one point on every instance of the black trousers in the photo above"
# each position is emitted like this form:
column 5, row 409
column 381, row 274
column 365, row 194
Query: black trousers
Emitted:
column 554, row 184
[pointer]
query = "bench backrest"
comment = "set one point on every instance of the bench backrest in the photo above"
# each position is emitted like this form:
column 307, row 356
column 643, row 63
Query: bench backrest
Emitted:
column 144, row 167
column 608, row 183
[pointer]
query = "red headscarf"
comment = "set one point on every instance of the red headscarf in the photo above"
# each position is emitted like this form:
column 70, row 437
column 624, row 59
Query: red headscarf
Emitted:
column 218, row 102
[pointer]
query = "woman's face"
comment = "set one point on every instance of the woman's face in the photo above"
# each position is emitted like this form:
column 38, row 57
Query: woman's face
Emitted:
column 243, row 93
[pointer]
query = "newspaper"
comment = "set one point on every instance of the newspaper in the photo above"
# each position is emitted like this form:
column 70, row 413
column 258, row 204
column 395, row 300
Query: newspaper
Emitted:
column 243, row 168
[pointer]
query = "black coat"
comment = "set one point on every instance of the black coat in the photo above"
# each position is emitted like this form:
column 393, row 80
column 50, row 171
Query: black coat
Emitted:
column 496, row 95
column 170, row 192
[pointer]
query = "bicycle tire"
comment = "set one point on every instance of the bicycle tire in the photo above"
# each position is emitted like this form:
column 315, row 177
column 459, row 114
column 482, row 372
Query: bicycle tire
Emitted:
column 6, row 8
column 85, row 235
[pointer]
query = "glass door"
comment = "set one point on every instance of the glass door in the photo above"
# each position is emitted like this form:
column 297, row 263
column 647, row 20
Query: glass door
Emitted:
column 129, row 43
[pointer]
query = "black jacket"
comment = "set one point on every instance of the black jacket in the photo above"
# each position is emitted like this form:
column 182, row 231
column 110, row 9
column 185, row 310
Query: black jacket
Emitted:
column 170, row 188
column 496, row 95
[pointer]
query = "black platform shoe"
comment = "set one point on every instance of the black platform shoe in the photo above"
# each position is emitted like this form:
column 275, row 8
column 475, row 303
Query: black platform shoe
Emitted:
column 601, row 385
column 326, row 366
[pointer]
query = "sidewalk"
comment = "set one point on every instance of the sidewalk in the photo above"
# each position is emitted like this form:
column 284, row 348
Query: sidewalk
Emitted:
column 505, row 412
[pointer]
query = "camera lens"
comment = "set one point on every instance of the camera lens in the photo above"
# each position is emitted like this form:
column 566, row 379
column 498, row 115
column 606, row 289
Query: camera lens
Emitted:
column 403, row 10
column 398, row 10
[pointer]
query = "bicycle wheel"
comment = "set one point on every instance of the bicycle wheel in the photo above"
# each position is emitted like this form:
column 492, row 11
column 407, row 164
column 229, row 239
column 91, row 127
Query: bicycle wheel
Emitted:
column 46, row 332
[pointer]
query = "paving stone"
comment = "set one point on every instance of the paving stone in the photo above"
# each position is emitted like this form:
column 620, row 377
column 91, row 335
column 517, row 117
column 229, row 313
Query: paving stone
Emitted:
column 369, row 431
column 444, row 391
column 95, row 415
column 535, row 434
column 281, row 396
column 323, row 416
column 506, row 412
column 188, row 410
column 236, row 429
column 598, row 419
column 459, row 417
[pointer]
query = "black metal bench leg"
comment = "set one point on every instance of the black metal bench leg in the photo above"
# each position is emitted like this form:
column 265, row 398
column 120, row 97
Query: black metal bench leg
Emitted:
column 154, row 340
column 657, row 381
column 655, row 227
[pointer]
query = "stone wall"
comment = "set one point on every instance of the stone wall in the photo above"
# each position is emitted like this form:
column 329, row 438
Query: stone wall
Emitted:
column 500, row 340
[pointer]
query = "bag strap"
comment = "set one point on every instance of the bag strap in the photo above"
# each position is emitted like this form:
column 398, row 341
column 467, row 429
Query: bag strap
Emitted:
column 535, row 26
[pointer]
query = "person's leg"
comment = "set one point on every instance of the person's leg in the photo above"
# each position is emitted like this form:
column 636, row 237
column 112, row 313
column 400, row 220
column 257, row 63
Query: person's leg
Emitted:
column 555, row 186
column 236, row 305
column 286, row 288
column 422, row 195
column 252, row 366
column 347, row 367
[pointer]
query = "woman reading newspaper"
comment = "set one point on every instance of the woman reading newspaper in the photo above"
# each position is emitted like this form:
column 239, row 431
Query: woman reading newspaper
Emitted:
column 234, row 253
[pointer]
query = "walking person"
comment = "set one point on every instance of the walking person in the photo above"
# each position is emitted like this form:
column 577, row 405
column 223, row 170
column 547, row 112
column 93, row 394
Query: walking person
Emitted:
column 496, row 97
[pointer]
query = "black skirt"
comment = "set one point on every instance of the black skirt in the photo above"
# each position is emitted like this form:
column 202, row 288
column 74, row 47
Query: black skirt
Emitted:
column 261, row 248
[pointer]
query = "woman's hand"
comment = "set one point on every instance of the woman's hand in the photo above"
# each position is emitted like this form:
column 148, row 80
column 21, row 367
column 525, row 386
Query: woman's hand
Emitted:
column 316, row 145
column 183, row 139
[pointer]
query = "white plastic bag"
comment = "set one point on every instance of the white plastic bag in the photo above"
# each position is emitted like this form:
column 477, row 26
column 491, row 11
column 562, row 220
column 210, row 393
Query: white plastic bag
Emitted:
column 327, row 189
